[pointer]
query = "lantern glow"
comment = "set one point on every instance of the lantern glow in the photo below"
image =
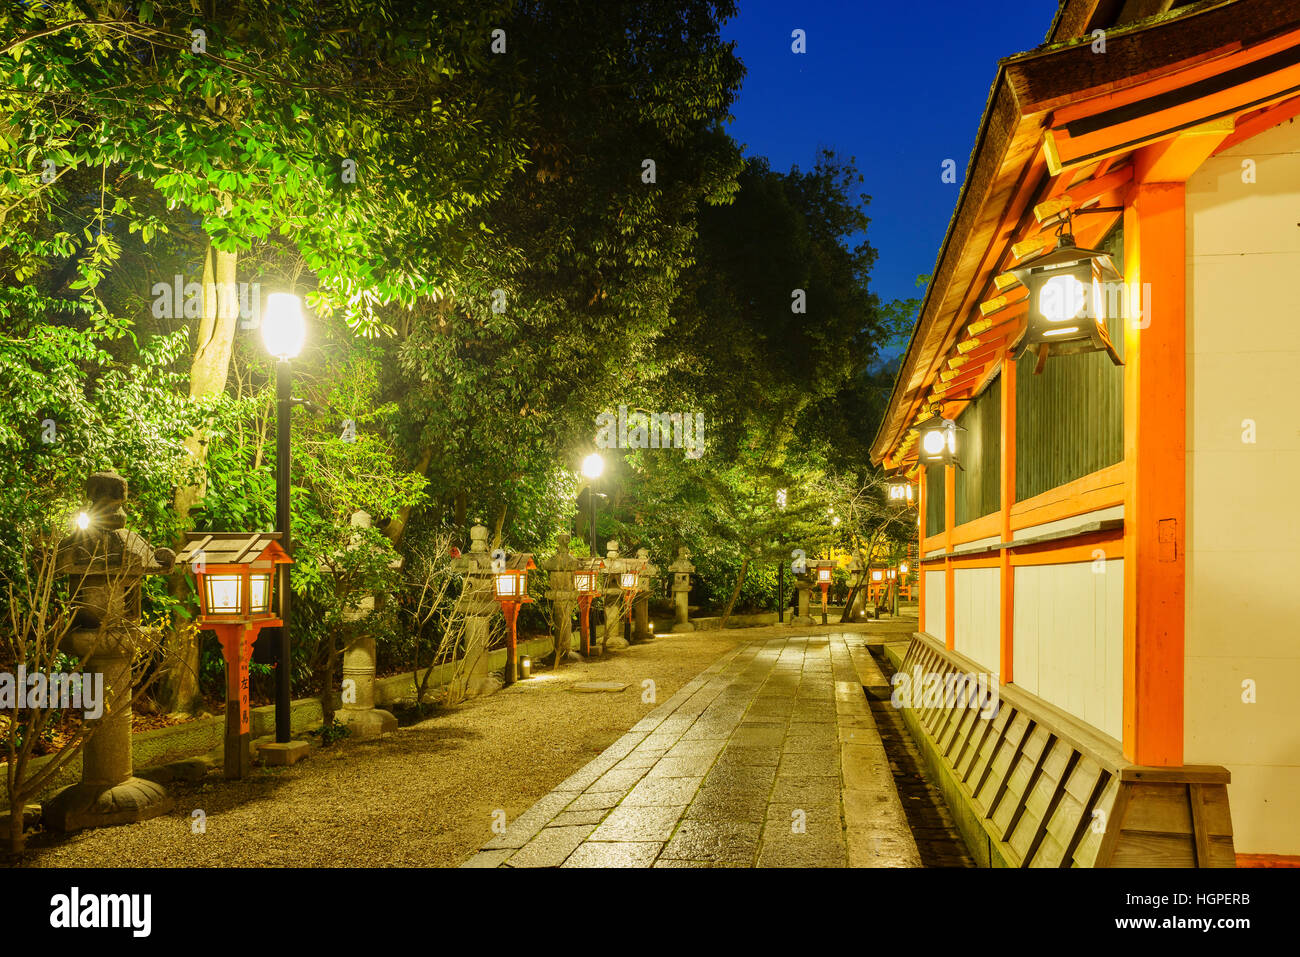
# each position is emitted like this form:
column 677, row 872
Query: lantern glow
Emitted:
column 1065, row 289
column 283, row 327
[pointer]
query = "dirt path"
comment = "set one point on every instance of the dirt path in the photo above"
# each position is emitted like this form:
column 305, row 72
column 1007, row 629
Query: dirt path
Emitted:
column 423, row 796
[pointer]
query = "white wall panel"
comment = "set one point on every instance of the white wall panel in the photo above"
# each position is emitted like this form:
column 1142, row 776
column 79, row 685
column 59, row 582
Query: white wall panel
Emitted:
column 935, row 624
column 976, row 619
column 1068, row 639
column 1243, row 506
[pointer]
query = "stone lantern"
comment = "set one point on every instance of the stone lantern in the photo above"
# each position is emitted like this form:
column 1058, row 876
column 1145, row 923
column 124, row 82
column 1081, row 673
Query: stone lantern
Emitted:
column 477, row 604
column 860, row 596
column 358, row 711
column 615, row 566
column 682, row 569
column 562, row 595
column 106, row 563
column 645, row 585
column 804, row 585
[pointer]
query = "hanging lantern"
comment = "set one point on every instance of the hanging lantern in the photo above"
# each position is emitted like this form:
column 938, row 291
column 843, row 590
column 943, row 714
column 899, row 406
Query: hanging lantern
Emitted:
column 900, row 488
column 1067, row 306
column 939, row 442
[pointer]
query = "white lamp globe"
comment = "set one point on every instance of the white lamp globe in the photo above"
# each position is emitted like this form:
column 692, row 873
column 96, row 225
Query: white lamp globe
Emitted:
column 283, row 327
column 592, row 466
column 1062, row 299
column 933, row 442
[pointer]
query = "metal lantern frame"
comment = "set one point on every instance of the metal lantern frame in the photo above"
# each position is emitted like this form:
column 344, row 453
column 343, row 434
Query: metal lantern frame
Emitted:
column 1085, row 331
column 947, row 453
column 900, row 488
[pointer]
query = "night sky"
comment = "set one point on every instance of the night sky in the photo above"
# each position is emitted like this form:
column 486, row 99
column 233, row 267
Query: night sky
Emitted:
column 899, row 85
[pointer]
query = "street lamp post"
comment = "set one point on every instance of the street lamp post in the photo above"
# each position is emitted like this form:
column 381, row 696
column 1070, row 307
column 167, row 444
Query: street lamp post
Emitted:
column 593, row 466
column 283, row 332
column 780, row 567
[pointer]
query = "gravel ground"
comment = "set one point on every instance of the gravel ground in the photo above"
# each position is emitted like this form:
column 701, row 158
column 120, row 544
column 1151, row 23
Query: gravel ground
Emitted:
column 423, row 796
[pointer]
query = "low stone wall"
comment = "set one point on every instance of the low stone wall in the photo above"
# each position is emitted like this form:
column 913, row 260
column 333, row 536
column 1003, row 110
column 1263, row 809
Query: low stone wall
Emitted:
column 202, row 735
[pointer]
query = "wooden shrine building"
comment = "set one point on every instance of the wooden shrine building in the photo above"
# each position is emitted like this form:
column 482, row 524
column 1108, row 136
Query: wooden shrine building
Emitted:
column 1118, row 538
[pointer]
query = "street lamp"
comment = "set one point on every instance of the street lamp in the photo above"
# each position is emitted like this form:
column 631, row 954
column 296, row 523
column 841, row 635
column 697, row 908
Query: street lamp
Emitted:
column 593, row 466
column 283, row 332
column 1067, row 312
column 780, row 566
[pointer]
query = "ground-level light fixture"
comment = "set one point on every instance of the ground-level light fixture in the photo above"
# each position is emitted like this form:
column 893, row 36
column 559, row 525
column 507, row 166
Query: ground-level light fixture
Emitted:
column 1067, row 305
column 235, row 575
column 510, row 581
column 586, row 582
column 824, row 571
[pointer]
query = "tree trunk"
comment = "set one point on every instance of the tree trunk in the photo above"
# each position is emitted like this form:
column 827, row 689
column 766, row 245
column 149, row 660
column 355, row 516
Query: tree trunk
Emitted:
column 209, row 370
column 744, row 569
column 397, row 525
column 16, row 837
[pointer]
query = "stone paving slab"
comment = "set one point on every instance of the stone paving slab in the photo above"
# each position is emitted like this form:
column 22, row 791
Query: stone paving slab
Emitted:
column 768, row 758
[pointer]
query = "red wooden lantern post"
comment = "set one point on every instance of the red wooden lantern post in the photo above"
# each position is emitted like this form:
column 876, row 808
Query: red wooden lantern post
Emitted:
column 628, row 580
column 511, row 583
column 587, row 582
column 235, row 574
column 824, row 569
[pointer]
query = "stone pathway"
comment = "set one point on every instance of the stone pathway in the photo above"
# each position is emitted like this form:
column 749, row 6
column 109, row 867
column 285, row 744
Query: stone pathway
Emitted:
column 768, row 758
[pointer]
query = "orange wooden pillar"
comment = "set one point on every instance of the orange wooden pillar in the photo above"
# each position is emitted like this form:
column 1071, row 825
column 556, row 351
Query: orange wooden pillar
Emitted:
column 949, row 517
column 1007, row 477
column 920, row 551
column 1155, row 494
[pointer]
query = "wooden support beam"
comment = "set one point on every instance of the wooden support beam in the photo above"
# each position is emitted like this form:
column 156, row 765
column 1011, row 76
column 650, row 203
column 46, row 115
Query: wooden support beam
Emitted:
column 1155, row 519
column 1256, row 122
column 1007, row 485
column 1174, row 159
column 950, row 519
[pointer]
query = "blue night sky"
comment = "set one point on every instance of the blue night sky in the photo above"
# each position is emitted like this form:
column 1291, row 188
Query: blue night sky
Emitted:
column 899, row 86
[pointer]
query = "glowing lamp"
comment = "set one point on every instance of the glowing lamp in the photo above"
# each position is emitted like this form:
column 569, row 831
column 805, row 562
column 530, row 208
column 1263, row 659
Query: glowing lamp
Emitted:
column 627, row 580
column 900, row 489
column 877, row 575
column 283, row 327
column 511, row 583
column 1067, row 307
column 939, row 442
column 593, row 466
column 234, row 574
